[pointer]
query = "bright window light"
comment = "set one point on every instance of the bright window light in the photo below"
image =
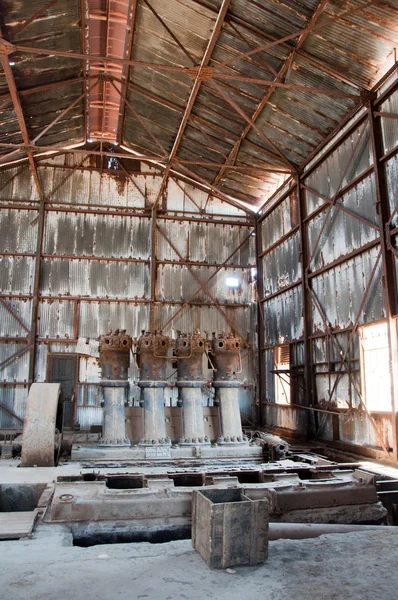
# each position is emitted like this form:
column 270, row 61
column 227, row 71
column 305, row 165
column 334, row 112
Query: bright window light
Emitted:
column 232, row 282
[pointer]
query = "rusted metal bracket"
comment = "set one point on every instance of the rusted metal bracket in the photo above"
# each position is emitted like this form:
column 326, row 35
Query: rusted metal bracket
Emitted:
column 6, row 48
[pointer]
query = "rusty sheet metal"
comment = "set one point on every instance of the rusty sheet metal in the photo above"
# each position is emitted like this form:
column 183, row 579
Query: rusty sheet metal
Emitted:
column 16, row 274
column 39, row 425
column 18, row 183
column 17, row 370
column 31, row 70
column 18, row 230
column 101, row 316
column 90, row 187
column 344, row 233
column 175, row 282
column 104, row 236
column 390, row 126
column 9, row 324
column 277, row 224
column 56, row 319
column 281, row 266
column 206, row 242
column 283, row 317
column 86, row 278
column 340, row 292
column 327, row 176
column 392, row 185
column 14, row 400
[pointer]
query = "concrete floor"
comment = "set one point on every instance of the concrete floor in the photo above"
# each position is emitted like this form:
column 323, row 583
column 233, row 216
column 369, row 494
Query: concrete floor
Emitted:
column 355, row 566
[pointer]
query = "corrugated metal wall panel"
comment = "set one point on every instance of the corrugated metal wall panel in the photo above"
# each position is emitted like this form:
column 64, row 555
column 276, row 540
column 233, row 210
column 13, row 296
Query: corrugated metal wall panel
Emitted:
column 204, row 242
column 96, row 318
column 177, row 283
column 281, row 266
column 18, row 230
column 277, row 224
column 340, row 292
column 97, row 235
column 390, row 126
column 283, row 317
column 94, row 278
column 55, row 319
column 16, row 370
column 10, row 327
column 16, row 274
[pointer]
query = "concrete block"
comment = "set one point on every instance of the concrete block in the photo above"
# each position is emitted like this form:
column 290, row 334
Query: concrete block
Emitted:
column 228, row 528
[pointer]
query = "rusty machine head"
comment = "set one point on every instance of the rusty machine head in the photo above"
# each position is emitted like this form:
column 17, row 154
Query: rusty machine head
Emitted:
column 114, row 355
column 226, row 349
column 152, row 350
column 189, row 349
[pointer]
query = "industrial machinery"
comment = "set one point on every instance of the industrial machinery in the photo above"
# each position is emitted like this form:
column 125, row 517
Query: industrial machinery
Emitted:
column 196, row 440
column 228, row 366
column 189, row 350
column 152, row 350
column 114, row 358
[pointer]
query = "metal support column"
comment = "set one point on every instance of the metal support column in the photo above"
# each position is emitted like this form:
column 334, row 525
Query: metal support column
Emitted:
column 306, row 301
column 260, row 324
column 389, row 279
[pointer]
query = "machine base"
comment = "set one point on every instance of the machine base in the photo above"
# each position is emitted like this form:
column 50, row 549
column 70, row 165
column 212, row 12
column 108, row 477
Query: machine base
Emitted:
column 94, row 452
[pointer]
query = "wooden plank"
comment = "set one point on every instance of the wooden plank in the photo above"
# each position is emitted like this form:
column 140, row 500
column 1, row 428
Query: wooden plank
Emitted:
column 17, row 524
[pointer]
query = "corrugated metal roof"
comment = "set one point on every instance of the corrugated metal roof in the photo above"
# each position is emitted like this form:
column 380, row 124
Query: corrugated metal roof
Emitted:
column 344, row 53
column 58, row 28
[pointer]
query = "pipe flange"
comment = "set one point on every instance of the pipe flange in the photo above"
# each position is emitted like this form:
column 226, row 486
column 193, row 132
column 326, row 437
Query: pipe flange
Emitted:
column 152, row 384
column 113, row 383
column 228, row 383
column 190, row 384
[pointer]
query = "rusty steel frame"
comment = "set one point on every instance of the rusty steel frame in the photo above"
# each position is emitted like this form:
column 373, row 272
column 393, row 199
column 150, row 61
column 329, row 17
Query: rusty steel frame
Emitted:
column 231, row 322
column 287, row 86
column 194, row 92
column 224, row 264
column 389, row 277
column 169, row 31
column 131, row 17
column 10, row 412
column 252, row 124
column 383, row 228
column 281, row 73
column 334, row 198
column 21, row 26
column 311, row 27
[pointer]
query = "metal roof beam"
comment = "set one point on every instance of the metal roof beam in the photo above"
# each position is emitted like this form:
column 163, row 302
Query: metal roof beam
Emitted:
column 20, row 117
column 194, row 92
column 131, row 16
column 281, row 73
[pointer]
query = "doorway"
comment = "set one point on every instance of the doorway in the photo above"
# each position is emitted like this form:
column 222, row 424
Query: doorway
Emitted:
column 62, row 368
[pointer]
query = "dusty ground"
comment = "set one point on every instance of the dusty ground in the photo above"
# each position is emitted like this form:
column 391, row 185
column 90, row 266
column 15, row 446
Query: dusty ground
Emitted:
column 355, row 566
